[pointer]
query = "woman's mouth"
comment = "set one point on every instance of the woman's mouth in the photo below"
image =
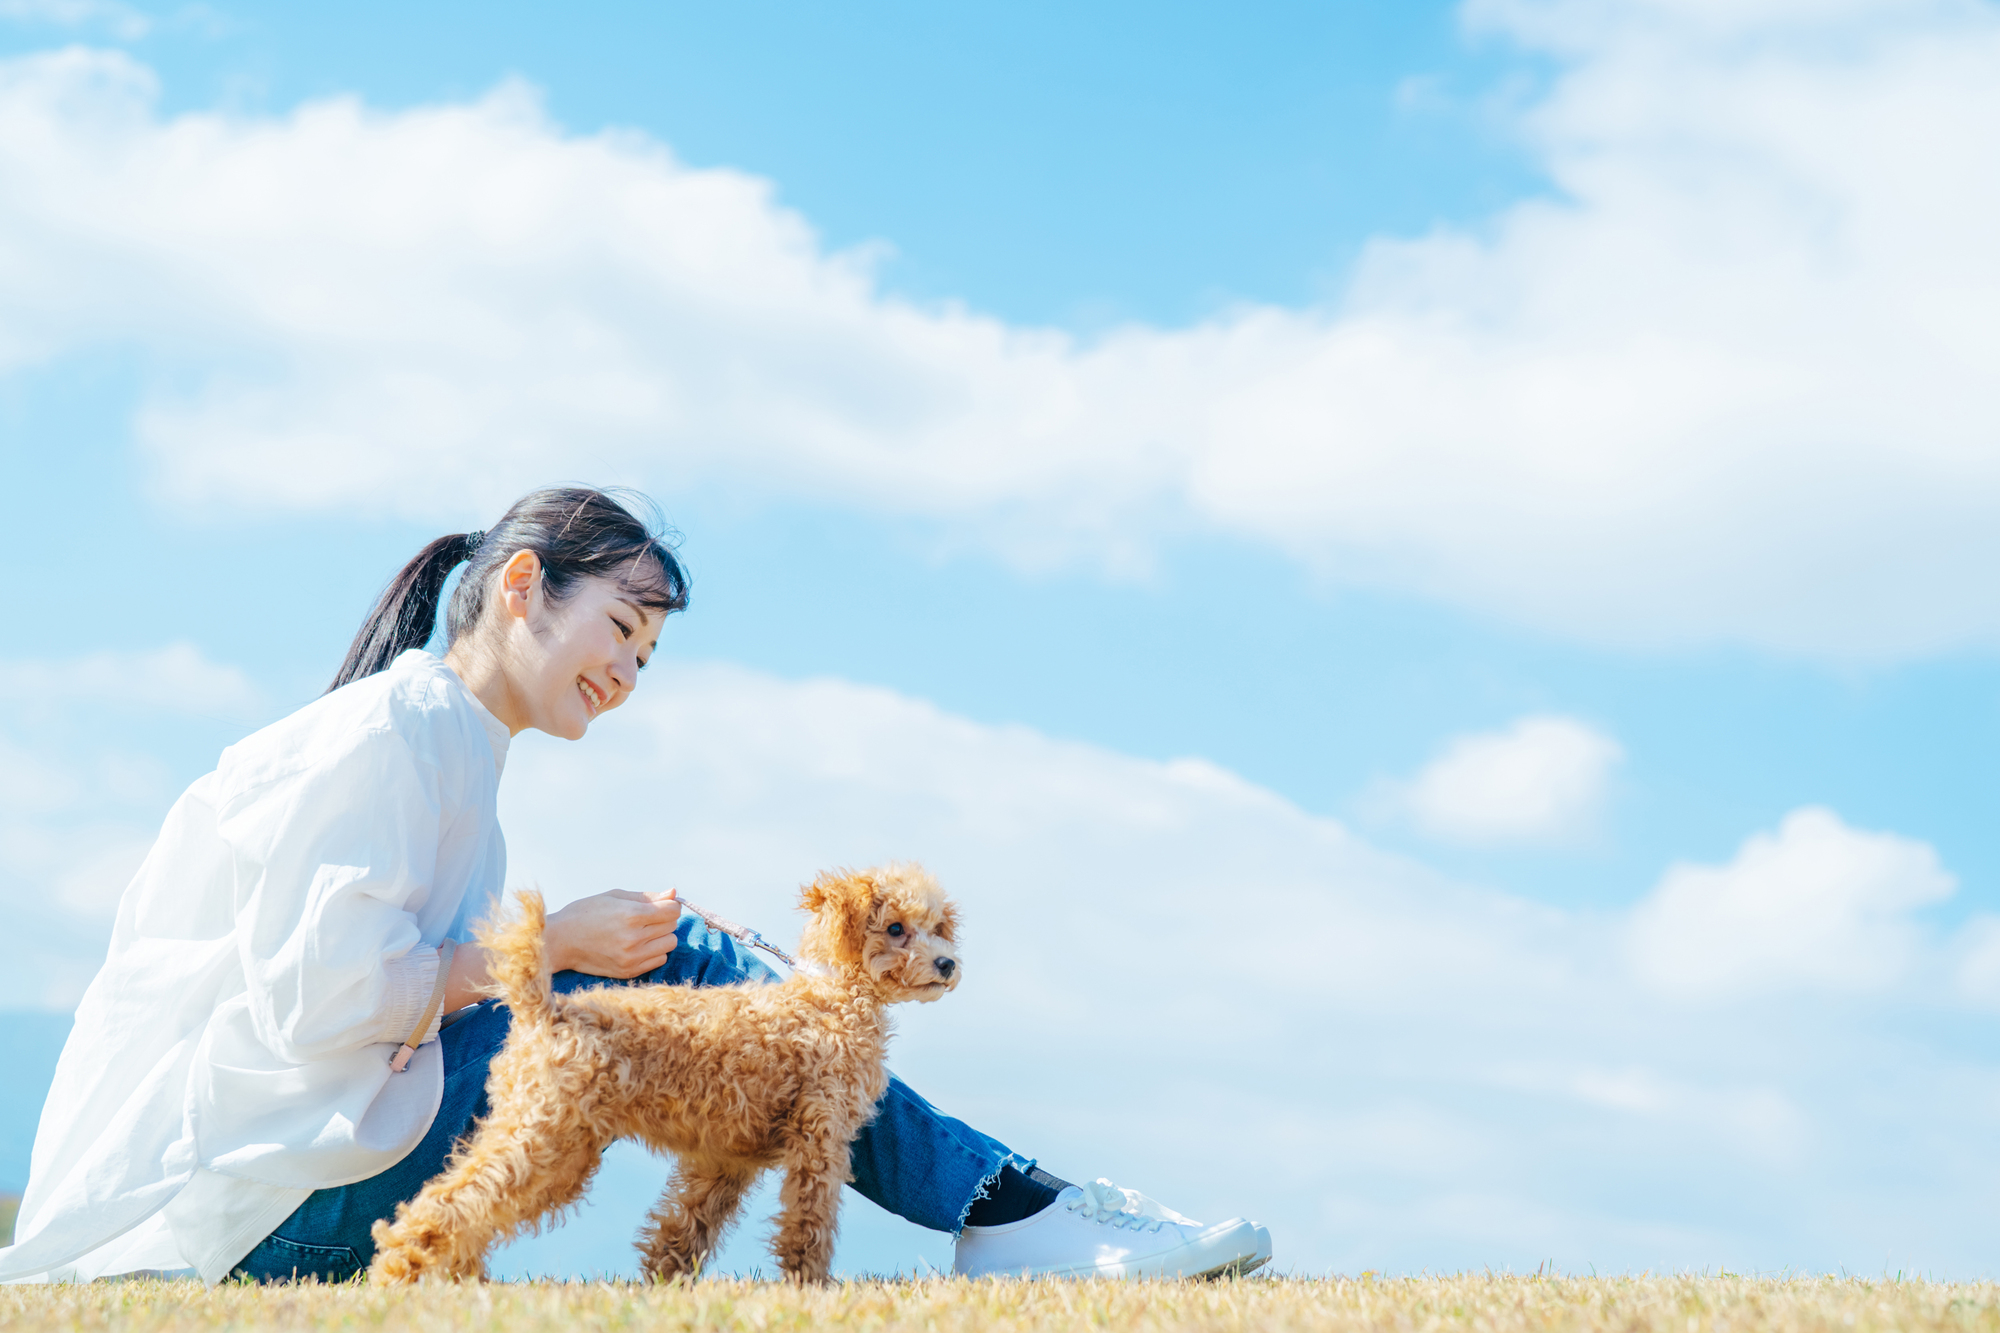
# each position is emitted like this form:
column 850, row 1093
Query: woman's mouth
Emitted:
column 593, row 698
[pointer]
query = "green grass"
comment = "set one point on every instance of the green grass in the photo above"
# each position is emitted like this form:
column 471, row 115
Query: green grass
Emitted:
column 1474, row 1304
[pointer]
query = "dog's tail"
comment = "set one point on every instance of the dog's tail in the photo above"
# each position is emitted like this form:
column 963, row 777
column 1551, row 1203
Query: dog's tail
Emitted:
column 517, row 963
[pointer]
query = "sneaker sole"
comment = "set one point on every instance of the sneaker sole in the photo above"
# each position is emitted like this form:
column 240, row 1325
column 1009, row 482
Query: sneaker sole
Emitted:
column 1234, row 1266
column 1250, row 1263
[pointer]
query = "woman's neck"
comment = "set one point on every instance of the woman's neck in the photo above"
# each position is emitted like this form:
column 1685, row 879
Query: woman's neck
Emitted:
column 482, row 674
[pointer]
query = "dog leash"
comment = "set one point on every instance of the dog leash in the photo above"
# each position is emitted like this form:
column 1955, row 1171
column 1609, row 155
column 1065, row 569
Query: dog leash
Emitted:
column 742, row 934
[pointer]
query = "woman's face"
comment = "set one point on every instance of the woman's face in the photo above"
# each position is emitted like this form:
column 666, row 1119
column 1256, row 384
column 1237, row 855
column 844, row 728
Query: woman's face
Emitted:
column 567, row 662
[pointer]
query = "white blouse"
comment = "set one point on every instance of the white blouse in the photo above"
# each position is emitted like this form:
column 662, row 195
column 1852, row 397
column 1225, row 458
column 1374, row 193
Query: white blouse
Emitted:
column 277, row 945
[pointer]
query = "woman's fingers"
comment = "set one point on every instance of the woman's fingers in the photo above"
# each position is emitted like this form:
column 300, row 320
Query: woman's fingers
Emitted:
column 645, row 949
column 657, row 943
column 618, row 933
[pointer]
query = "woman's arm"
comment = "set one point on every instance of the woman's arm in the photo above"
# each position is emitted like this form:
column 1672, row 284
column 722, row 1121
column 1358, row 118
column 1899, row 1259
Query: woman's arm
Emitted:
column 467, row 980
column 327, row 859
column 616, row 934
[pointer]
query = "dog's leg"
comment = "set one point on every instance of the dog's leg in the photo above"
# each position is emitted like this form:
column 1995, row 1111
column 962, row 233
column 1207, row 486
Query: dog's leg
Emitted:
column 532, row 1156
column 696, row 1207
column 816, row 1166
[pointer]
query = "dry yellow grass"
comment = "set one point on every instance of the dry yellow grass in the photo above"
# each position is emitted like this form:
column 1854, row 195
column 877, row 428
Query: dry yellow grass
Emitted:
column 1482, row 1304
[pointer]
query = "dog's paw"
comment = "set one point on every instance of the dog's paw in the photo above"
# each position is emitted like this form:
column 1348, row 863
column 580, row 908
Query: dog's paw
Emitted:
column 670, row 1268
column 805, row 1269
column 391, row 1268
column 396, row 1261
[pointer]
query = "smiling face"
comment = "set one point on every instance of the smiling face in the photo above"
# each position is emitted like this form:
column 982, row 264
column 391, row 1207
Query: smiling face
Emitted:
column 557, row 665
column 894, row 924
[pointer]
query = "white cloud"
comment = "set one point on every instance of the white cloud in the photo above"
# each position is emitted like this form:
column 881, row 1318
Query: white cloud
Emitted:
column 1977, row 974
column 176, row 678
column 1728, row 381
column 1543, row 779
column 1181, row 980
column 93, row 884
column 83, row 790
column 121, row 21
column 1581, row 26
column 1817, row 904
column 1758, row 1123
column 739, row 787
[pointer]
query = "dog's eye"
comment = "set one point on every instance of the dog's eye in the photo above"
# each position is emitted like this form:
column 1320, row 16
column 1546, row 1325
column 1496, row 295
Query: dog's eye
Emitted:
column 895, row 929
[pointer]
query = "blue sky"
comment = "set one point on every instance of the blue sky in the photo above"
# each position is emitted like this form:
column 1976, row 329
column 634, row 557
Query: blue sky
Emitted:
column 1439, row 422
column 1043, row 162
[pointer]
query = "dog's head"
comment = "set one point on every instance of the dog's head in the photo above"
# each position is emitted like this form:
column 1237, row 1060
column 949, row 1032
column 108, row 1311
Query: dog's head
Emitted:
column 892, row 924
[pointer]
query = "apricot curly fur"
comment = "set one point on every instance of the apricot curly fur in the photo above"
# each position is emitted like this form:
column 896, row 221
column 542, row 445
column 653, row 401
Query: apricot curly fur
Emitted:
column 732, row 1080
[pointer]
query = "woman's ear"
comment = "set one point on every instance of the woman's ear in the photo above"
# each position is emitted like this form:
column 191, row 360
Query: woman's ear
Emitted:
column 519, row 580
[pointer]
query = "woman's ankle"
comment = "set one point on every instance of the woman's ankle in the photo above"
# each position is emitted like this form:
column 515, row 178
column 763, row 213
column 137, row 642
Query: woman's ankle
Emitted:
column 1014, row 1196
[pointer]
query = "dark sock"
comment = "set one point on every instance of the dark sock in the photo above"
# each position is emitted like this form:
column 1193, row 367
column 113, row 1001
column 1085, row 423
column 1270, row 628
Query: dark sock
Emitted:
column 1013, row 1197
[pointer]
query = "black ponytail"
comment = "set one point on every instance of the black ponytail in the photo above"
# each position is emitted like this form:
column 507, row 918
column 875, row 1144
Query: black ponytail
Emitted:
column 578, row 532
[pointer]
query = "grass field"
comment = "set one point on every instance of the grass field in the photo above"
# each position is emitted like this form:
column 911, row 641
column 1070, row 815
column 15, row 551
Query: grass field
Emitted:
column 1481, row 1304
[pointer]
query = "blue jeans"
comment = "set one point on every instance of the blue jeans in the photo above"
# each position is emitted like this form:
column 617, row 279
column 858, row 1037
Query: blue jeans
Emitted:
column 912, row 1159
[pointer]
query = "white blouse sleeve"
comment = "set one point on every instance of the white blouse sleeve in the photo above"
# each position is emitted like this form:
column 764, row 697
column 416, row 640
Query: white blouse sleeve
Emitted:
column 412, row 978
column 331, row 862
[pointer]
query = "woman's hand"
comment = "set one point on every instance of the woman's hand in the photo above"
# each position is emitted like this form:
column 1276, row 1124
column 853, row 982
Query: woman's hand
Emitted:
column 616, row 934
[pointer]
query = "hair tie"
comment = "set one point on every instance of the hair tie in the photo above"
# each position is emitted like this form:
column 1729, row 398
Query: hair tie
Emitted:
column 472, row 541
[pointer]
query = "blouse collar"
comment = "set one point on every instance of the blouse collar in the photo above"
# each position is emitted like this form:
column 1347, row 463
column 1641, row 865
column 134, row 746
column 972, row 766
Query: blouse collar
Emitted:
column 496, row 730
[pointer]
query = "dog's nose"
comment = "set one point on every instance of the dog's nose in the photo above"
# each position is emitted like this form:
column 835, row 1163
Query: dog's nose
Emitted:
column 946, row 965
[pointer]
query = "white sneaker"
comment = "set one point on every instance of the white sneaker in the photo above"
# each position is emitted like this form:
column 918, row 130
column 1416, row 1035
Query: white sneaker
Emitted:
column 1099, row 1230
column 1262, row 1255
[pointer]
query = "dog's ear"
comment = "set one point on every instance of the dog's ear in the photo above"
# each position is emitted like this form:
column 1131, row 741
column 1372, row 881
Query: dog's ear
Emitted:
column 841, row 905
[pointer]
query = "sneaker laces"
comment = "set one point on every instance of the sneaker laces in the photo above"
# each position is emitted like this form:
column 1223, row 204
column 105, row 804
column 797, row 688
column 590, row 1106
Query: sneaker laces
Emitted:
column 1102, row 1201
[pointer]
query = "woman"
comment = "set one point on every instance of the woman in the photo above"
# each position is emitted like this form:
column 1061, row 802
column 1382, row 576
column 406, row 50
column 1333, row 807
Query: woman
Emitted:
column 260, row 1070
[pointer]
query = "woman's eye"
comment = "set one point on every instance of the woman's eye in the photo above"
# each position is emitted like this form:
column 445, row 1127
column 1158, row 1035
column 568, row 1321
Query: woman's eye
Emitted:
column 623, row 628
column 895, row 930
